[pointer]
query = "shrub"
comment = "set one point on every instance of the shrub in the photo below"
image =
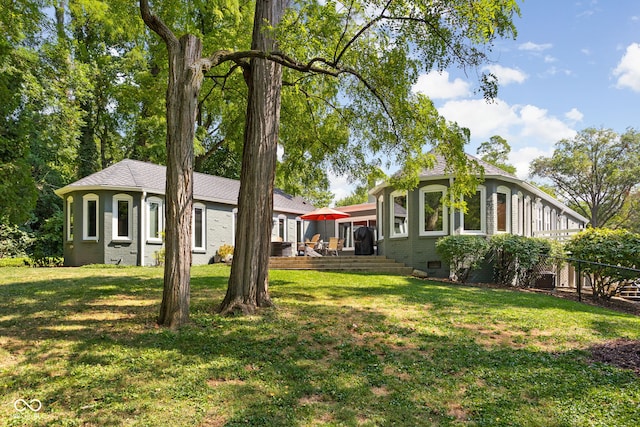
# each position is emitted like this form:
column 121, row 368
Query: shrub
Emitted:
column 518, row 260
column 14, row 242
column 462, row 253
column 224, row 252
column 610, row 249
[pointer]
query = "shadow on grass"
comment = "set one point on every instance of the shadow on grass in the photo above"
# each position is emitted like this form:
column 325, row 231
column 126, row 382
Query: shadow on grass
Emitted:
column 93, row 353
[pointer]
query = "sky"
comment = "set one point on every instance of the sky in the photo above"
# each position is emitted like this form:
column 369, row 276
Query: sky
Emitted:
column 574, row 65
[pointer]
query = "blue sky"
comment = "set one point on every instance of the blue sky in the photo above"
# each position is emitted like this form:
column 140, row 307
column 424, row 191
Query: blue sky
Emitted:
column 573, row 65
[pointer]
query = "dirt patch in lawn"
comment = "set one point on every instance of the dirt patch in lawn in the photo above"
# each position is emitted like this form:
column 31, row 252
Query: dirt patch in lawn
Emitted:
column 623, row 353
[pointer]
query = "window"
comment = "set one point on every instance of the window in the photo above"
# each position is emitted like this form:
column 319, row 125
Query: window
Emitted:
column 527, row 216
column 90, row 217
column 503, row 209
column 70, row 218
column 399, row 214
column 433, row 211
column 539, row 217
column 154, row 220
column 199, row 227
column 474, row 219
column 122, row 217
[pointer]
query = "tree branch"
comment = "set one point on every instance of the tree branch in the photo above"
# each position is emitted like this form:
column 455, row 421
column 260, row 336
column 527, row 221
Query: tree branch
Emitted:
column 157, row 25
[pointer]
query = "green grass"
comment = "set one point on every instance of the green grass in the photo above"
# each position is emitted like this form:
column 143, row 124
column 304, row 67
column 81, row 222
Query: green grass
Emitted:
column 340, row 349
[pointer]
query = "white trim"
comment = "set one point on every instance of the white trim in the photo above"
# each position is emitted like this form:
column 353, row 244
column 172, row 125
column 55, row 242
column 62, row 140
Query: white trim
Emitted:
column 404, row 226
column 69, row 220
column 434, row 188
column 203, row 231
column 85, row 216
column 234, row 225
column 483, row 214
column 380, row 219
column 157, row 201
column 115, row 224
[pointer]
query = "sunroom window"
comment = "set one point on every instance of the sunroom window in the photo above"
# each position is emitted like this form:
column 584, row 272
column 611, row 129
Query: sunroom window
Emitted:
column 199, row 227
column 433, row 211
column 503, row 209
column 474, row 219
column 399, row 214
column 122, row 218
column 154, row 222
column 70, row 218
column 90, row 207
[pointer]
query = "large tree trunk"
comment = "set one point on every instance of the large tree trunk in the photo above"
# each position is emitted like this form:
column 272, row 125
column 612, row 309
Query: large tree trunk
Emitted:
column 248, row 283
column 185, row 81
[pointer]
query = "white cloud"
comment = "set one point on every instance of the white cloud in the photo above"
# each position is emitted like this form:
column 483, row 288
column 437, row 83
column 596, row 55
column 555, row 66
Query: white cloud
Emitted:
column 535, row 122
column 340, row 187
column 436, row 85
column 574, row 115
column 482, row 118
column 522, row 158
column 520, row 125
column 549, row 59
column 506, row 75
column 534, row 47
column 628, row 69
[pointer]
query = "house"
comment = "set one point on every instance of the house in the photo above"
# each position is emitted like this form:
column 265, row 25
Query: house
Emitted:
column 116, row 215
column 410, row 222
column 361, row 215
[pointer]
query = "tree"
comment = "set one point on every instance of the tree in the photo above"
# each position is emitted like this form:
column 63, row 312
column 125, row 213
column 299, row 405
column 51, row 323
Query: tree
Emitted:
column 609, row 258
column 496, row 151
column 595, row 171
column 361, row 62
column 358, row 196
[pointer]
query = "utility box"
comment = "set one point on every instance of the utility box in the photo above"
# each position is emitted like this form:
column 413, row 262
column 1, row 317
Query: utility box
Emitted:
column 547, row 280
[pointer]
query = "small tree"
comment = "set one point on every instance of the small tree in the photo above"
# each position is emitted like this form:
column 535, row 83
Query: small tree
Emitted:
column 605, row 251
column 463, row 253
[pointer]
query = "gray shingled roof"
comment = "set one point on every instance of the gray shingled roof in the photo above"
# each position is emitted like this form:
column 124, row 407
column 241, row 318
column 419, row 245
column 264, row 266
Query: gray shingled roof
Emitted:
column 133, row 175
column 439, row 169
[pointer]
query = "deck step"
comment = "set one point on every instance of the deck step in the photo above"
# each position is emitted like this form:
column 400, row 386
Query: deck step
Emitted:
column 371, row 264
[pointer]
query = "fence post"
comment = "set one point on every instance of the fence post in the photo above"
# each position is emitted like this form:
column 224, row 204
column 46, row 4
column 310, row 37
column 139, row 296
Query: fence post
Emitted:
column 579, row 281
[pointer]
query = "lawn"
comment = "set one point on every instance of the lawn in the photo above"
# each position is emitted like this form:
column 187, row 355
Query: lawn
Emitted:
column 340, row 349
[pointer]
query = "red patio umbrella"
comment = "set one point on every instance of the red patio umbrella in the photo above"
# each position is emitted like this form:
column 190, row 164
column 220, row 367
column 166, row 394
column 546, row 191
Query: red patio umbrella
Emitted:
column 323, row 214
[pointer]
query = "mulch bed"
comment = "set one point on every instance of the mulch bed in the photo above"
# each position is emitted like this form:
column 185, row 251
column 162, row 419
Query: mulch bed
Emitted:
column 622, row 353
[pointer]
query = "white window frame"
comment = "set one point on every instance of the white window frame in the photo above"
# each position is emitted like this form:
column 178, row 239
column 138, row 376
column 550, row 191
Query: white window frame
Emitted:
column 203, row 232
column 507, row 200
column 160, row 203
column 70, row 219
column 114, row 217
column 285, row 227
column 445, row 211
column 234, row 225
column 85, row 216
column 392, row 214
column 483, row 214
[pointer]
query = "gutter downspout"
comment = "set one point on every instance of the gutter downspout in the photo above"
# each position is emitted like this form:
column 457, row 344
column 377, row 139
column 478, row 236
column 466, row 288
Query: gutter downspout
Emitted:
column 143, row 210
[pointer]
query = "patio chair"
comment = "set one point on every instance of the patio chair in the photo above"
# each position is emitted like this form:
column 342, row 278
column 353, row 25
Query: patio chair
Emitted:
column 332, row 248
column 313, row 242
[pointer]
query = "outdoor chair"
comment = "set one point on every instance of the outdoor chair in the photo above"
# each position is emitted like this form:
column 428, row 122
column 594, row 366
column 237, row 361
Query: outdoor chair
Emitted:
column 332, row 248
column 313, row 243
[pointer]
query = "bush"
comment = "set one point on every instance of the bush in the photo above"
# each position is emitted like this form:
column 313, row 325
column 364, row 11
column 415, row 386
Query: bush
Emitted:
column 46, row 249
column 14, row 242
column 462, row 253
column 610, row 249
column 225, row 252
column 518, row 260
